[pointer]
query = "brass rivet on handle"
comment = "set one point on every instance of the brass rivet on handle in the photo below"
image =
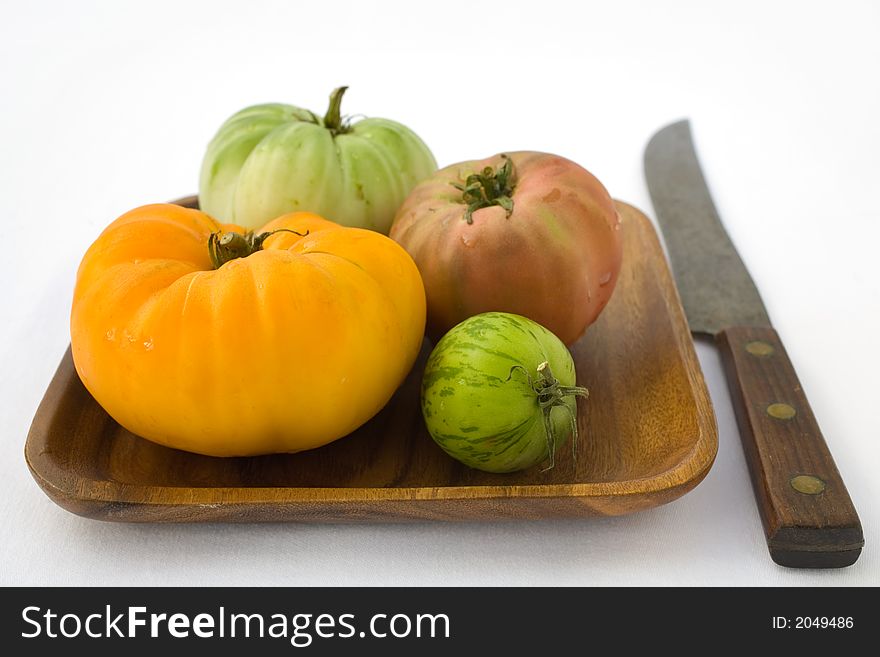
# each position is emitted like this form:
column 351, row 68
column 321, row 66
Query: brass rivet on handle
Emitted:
column 759, row 348
column 807, row 484
column 781, row 411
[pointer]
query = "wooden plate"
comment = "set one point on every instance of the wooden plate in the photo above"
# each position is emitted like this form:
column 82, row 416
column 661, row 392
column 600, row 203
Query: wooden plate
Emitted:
column 647, row 436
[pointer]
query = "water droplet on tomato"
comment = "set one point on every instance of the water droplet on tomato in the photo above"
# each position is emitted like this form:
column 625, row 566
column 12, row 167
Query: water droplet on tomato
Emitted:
column 110, row 335
column 128, row 336
column 148, row 345
column 466, row 240
column 605, row 278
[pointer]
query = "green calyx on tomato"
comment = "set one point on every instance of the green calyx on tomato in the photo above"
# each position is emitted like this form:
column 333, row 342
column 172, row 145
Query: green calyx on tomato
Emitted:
column 333, row 119
column 223, row 247
column 488, row 188
column 552, row 394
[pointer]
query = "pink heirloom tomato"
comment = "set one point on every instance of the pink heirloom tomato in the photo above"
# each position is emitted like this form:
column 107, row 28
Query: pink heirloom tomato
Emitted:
column 527, row 233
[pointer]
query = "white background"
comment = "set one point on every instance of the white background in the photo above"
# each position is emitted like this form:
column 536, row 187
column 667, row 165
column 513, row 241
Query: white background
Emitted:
column 109, row 105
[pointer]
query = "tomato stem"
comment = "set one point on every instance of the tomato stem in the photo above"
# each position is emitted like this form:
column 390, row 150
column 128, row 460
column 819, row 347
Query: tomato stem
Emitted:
column 333, row 119
column 550, row 394
column 488, row 188
column 223, row 247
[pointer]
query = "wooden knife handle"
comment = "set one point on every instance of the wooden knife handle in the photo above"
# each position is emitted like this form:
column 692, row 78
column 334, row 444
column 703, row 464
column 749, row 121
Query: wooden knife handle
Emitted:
column 808, row 516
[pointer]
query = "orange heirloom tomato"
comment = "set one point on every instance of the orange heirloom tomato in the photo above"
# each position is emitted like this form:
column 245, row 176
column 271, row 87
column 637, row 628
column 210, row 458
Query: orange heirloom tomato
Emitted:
column 294, row 344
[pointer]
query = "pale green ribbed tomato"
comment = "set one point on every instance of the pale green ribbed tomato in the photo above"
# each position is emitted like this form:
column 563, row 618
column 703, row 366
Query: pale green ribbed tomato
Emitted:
column 271, row 159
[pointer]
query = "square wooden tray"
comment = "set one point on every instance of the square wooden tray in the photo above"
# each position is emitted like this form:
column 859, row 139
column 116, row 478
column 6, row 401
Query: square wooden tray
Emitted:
column 647, row 436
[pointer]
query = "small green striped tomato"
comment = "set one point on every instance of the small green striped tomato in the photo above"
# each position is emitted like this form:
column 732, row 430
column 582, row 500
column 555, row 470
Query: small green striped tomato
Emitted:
column 271, row 159
column 499, row 393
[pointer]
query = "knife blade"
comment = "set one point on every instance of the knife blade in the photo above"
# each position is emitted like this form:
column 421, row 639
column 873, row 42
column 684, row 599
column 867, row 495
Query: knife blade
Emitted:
column 808, row 516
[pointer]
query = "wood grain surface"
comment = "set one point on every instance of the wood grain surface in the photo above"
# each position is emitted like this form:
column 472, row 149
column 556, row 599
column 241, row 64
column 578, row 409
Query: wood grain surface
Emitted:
column 808, row 516
column 647, row 436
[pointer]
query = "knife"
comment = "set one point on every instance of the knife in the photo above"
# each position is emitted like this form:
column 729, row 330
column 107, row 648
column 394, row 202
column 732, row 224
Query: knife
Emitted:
column 808, row 516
